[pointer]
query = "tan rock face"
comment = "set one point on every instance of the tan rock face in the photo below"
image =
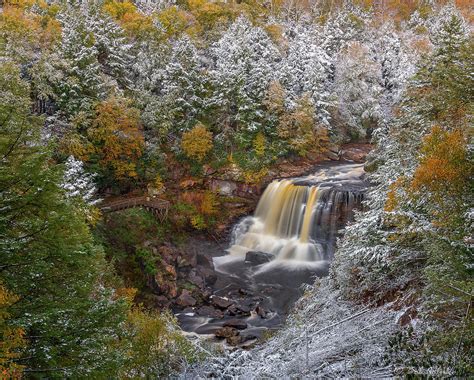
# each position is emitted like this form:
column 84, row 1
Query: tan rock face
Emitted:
column 356, row 152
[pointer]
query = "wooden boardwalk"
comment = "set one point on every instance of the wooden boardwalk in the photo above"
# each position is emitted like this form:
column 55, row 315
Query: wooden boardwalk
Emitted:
column 159, row 207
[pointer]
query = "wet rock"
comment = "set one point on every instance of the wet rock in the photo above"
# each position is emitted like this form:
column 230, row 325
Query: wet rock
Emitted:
column 204, row 260
column 236, row 323
column 257, row 258
column 196, row 279
column 233, row 340
column 209, row 275
column 232, row 310
column 186, row 299
column 243, row 308
column 356, row 152
column 223, row 187
column 248, row 345
column 261, row 312
column 211, row 312
column 221, row 302
column 226, row 332
column 332, row 156
column 244, row 337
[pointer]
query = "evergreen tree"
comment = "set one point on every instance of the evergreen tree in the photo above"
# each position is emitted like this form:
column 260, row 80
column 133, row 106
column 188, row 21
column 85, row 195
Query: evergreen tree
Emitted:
column 113, row 48
column 82, row 82
column 357, row 85
column 305, row 70
column 245, row 61
column 49, row 259
column 183, row 88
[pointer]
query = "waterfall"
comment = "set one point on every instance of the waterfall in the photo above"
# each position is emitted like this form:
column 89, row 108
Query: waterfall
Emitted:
column 299, row 219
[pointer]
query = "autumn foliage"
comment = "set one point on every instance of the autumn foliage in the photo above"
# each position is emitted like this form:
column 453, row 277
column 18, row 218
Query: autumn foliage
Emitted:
column 197, row 143
column 11, row 339
column 443, row 162
column 117, row 136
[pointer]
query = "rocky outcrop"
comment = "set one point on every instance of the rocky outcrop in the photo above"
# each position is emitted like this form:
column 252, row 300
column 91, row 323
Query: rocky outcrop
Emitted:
column 258, row 258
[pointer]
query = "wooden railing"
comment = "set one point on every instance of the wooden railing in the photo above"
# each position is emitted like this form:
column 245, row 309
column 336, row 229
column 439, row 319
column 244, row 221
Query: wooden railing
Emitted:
column 158, row 206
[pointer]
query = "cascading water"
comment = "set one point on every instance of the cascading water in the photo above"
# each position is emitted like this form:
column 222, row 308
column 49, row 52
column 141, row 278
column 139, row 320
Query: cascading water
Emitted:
column 299, row 219
column 295, row 225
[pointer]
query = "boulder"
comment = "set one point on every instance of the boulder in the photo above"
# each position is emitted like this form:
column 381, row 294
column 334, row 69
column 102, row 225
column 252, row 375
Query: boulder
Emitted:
column 261, row 312
column 221, row 302
column 209, row 311
column 226, row 332
column 332, row 156
column 208, row 274
column 233, row 340
column 258, row 258
column 222, row 187
column 244, row 308
column 204, row 260
column 196, row 279
column 236, row 323
column 186, row 299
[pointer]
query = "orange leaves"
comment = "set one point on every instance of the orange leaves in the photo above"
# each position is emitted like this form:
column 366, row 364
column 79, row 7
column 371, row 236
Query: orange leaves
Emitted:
column 128, row 294
column 11, row 339
column 197, row 143
column 117, row 136
column 126, row 13
column 444, row 162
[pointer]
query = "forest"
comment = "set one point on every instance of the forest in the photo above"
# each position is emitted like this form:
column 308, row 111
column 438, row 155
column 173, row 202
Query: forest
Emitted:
column 168, row 104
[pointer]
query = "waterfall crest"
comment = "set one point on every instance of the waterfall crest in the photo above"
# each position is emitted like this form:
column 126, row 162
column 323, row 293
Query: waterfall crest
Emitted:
column 299, row 219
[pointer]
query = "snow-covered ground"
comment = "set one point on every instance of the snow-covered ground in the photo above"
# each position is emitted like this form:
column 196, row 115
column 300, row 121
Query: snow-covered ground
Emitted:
column 324, row 337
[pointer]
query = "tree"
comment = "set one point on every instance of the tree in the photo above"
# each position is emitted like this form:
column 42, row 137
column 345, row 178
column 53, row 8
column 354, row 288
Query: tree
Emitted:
column 49, row 259
column 245, row 60
column 197, row 142
column 113, row 48
column 305, row 70
column 301, row 130
column 117, row 137
column 81, row 83
column 11, row 339
column 183, row 89
column 357, row 85
column 78, row 183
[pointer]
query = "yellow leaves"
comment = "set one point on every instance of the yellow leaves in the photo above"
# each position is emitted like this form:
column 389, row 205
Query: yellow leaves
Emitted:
column 259, row 144
column 155, row 345
column 77, row 146
column 197, row 143
column 254, row 177
column 11, row 339
column 301, row 131
column 157, row 186
column 25, row 30
column 117, row 136
column 393, row 199
column 175, row 21
column 209, row 13
column 128, row 294
column 275, row 32
column 127, row 14
column 209, row 204
column 444, row 162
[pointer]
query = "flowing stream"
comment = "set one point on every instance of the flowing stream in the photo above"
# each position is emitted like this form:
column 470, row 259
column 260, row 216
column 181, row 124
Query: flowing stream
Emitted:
column 288, row 241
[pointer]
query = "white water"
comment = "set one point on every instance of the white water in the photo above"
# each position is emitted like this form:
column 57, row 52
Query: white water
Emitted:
column 297, row 220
